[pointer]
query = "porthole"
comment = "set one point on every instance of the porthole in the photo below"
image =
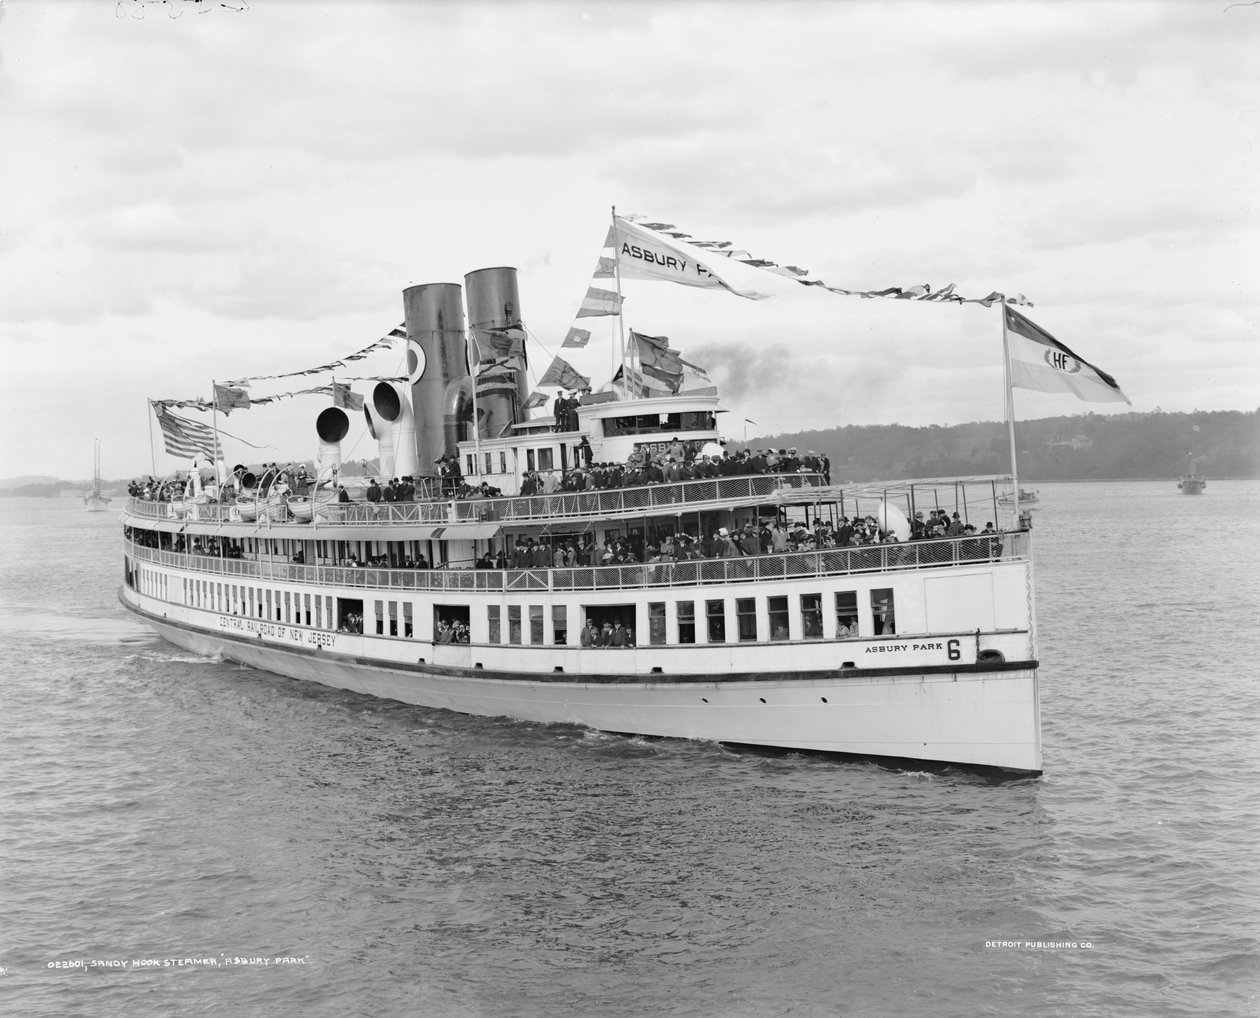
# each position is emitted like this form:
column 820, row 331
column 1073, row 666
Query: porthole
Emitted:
column 762, row 699
column 823, row 699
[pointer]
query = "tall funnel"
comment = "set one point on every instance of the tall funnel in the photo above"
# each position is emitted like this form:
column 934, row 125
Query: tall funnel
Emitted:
column 494, row 312
column 437, row 361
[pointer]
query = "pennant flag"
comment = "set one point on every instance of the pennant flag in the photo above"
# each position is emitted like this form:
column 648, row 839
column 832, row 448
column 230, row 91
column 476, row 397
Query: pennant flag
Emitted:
column 645, row 254
column 229, row 398
column 344, row 398
column 657, row 359
column 576, row 338
column 606, row 269
column 564, row 375
column 182, row 437
column 1040, row 362
column 599, row 303
column 536, row 399
column 678, row 242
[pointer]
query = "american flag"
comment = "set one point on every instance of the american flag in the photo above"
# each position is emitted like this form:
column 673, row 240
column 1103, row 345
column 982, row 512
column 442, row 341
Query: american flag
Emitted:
column 182, row 437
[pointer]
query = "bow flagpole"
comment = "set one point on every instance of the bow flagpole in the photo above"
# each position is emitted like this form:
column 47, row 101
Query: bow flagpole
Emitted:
column 621, row 315
column 1010, row 405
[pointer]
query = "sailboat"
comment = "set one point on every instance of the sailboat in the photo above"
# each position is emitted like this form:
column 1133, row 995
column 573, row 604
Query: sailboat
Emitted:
column 95, row 500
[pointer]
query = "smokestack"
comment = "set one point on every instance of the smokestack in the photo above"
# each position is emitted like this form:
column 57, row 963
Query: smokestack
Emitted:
column 494, row 313
column 437, row 363
column 331, row 426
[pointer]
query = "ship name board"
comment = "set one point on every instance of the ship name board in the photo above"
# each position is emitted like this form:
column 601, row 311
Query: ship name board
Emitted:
column 278, row 631
column 952, row 649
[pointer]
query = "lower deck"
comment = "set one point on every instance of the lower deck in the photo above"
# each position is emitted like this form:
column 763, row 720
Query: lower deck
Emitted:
column 983, row 714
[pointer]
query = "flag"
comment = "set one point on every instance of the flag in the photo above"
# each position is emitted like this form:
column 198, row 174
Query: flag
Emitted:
column 344, row 398
column 229, row 398
column 536, row 399
column 577, row 338
column 607, row 268
column 1040, row 362
column 696, row 380
column 564, row 375
column 496, row 343
column 598, row 303
column 644, row 254
column 657, row 359
column 182, row 437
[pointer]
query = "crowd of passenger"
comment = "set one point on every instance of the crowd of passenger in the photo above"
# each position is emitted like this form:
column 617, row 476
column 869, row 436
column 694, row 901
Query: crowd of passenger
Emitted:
column 679, row 461
column 452, row 631
column 611, row 634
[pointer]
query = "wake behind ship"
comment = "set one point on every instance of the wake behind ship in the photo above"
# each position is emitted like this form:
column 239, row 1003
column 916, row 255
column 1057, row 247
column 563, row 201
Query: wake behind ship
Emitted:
column 610, row 564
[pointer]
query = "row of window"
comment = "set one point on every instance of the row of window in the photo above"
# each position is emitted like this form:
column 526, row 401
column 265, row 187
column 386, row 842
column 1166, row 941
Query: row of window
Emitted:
column 715, row 620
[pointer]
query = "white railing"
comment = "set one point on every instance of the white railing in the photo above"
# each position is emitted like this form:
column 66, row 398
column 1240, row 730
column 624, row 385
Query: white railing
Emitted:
column 521, row 509
column 960, row 551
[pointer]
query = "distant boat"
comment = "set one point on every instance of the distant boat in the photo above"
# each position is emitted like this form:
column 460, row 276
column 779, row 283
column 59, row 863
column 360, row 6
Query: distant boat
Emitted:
column 1192, row 483
column 96, row 501
column 1026, row 497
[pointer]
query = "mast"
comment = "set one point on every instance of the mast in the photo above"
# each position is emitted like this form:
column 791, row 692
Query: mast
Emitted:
column 621, row 318
column 1010, row 408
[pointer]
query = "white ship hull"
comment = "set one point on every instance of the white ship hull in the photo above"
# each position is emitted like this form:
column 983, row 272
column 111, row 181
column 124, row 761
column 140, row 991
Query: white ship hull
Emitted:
column 970, row 714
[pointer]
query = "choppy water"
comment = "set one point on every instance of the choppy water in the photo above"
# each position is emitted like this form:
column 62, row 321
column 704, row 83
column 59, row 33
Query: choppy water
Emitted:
column 157, row 807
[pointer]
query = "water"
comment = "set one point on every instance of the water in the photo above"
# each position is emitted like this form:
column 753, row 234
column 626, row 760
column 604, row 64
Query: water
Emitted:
column 159, row 807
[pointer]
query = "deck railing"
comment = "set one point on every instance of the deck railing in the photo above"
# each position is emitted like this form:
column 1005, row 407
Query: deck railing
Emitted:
column 608, row 502
column 1008, row 547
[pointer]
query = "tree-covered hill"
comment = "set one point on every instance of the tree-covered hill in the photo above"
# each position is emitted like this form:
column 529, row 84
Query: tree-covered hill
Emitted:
column 1083, row 447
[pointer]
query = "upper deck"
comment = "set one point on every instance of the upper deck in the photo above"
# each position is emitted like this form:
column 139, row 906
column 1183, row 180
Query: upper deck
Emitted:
column 609, row 504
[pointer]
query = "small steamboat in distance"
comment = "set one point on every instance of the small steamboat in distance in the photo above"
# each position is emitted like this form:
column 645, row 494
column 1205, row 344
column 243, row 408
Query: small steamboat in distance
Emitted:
column 1193, row 482
column 608, row 566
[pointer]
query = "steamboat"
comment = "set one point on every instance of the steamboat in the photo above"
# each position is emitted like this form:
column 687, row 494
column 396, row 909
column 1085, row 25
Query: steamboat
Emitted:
column 611, row 566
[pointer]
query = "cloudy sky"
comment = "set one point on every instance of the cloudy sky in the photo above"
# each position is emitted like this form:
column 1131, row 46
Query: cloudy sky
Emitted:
column 227, row 193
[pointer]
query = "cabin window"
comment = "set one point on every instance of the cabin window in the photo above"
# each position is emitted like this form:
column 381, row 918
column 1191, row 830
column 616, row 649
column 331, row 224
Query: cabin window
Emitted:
column 779, row 627
column 450, row 623
column 560, row 624
column 529, row 460
column 514, row 623
column 746, row 618
column 268, row 602
column 686, row 622
column 715, row 612
column 472, row 465
column 494, row 623
column 350, row 614
column 656, row 623
column 408, row 629
column 882, row 611
column 393, row 618
column 488, row 461
column 846, row 614
column 306, row 604
column 503, row 462
column 380, row 617
column 319, row 612
column 811, row 616
column 546, row 459
column 535, row 624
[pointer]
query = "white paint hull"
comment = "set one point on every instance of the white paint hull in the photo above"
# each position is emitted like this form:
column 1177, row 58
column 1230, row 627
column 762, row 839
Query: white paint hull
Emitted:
column 971, row 716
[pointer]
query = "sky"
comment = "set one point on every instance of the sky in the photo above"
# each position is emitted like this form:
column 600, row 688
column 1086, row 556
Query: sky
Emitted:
column 192, row 192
